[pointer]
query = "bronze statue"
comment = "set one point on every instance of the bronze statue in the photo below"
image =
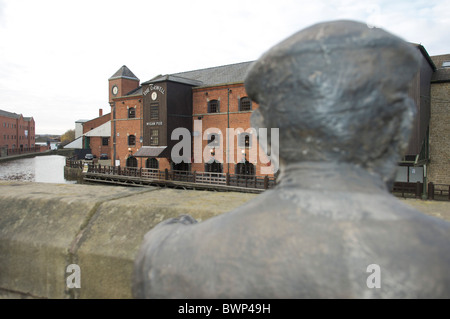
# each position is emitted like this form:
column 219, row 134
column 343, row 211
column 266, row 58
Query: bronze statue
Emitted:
column 338, row 92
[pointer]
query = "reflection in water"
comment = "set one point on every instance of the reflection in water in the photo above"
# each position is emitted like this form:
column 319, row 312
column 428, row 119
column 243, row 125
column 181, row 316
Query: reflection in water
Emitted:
column 42, row 169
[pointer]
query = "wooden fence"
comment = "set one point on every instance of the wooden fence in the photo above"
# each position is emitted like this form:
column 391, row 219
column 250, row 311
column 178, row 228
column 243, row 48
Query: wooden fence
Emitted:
column 438, row 191
column 205, row 178
column 435, row 191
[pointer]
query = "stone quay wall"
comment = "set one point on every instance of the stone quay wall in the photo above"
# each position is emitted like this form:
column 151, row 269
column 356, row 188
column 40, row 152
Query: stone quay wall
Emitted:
column 45, row 228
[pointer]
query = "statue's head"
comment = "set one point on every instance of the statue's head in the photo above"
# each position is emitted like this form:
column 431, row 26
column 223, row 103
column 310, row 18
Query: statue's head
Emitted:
column 337, row 91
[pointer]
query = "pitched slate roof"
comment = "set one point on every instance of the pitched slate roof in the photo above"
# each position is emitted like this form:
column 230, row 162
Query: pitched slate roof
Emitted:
column 137, row 91
column 124, row 73
column 225, row 74
column 442, row 73
column 9, row 114
column 232, row 73
column 174, row 78
column 150, row 151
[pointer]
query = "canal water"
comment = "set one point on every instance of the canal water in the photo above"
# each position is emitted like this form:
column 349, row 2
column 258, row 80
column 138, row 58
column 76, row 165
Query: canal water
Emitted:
column 42, row 169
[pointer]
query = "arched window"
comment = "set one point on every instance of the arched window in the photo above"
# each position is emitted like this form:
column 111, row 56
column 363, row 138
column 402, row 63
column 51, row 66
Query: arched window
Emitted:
column 245, row 104
column 245, row 168
column 152, row 163
column 213, row 106
column 131, row 140
column 213, row 166
column 132, row 161
column 131, row 113
column 245, row 140
column 213, row 140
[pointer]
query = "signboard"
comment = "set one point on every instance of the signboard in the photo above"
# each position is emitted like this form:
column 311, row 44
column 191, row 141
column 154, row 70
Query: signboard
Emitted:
column 154, row 123
column 85, row 168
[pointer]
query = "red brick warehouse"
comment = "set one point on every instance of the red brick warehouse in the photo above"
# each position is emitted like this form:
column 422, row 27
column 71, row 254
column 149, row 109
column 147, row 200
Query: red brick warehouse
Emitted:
column 16, row 132
column 144, row 118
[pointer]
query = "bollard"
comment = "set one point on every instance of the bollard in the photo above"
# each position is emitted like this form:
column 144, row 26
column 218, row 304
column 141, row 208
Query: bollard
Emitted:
column 418, row 189
column 266, row 182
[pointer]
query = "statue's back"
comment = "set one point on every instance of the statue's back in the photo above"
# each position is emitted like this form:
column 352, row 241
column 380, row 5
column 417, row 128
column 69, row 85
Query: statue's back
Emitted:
column 330, row 228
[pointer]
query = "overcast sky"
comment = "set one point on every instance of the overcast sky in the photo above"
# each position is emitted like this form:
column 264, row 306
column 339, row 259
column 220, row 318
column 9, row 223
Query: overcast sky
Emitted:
column 56, row 55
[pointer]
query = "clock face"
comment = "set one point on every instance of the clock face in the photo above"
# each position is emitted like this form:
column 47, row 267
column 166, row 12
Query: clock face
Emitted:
column 154, row 96
column 115, row 90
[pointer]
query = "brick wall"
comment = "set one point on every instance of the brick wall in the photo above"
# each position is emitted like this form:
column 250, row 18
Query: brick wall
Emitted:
column 12, row 133
column 90, row 125
column 96, row 142
column 97, row 147
column 125, row 86
column 30, row 127
column 127, row 126
column 439, row 167
column 8, row 132
column 237, row 120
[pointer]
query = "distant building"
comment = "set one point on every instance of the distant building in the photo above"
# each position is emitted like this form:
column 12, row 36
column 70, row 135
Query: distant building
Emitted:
column 97, row 134
column 16, row 131
column 47, row 141
column 92, row 136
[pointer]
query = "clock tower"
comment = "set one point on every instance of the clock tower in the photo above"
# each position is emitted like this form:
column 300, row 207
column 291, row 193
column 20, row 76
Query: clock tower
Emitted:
column 122, row 82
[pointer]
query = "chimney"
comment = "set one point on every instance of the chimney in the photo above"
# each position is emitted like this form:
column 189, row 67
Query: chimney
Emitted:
column 100, row 112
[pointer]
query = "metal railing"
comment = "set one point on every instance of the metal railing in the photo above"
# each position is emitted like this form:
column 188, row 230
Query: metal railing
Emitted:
column 20, row 151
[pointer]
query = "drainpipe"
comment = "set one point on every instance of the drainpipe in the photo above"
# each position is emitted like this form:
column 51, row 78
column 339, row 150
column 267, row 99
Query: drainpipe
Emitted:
column 113, row 106
column 228, row 126
column 424, row 193
column 141, row 135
